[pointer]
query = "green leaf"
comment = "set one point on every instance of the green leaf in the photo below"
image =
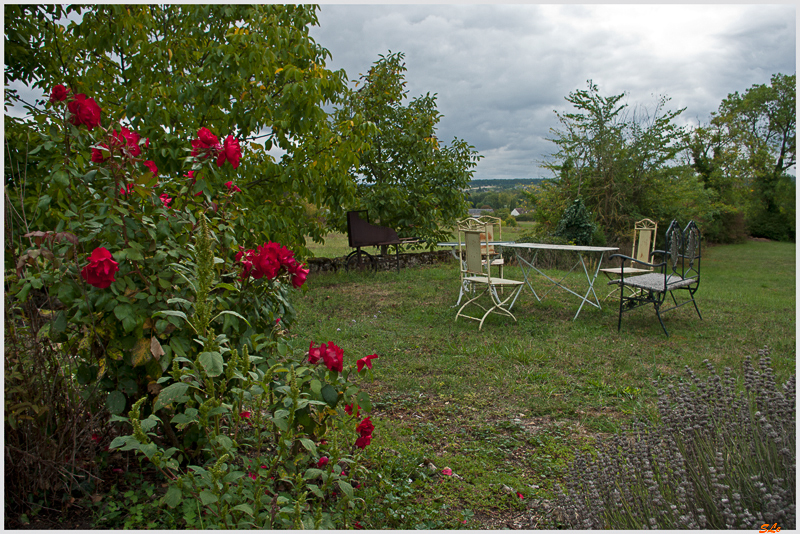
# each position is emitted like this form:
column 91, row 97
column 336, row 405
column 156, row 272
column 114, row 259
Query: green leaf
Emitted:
column 312, row 473
column 116, row 402
column 225, row 442
column 316, row 386
column 170, row 395
column 173, row 497
column 244, row 508
column 309, row 445
column 330, row 395
column 364, row 401
column 207, row 497
column 211, row 362
column 347, row 489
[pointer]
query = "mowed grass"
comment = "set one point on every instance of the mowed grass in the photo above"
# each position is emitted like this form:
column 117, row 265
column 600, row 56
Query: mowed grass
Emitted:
column 506, row 408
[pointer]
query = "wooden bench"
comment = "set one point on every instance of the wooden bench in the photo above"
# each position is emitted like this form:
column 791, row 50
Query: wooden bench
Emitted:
column 678, row 272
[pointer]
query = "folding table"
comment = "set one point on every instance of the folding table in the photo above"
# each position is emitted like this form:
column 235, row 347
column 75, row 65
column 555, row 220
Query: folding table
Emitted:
column 527, row 267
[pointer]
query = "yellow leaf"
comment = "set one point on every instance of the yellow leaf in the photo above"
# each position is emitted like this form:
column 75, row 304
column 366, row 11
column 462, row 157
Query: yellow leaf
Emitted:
column 141, row 352
column 169, row 51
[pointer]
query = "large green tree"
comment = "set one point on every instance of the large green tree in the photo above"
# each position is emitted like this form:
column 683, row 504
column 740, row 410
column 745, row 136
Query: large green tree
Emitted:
column 746, row 151
column 622, row 164
column 407, row 179
column 166, row 71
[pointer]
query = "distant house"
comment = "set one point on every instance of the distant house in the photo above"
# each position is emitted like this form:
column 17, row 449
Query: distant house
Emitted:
column 514, row 212
column 479, row 212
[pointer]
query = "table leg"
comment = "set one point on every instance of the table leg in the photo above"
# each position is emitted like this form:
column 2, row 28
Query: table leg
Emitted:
column 591, row 280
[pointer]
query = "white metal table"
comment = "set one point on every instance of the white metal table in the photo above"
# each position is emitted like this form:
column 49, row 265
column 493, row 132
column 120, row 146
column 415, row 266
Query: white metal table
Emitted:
column 580, row 251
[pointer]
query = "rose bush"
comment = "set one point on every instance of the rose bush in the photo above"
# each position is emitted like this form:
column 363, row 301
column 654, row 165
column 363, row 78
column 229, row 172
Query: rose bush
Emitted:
column 276, row 444
column 104, row 189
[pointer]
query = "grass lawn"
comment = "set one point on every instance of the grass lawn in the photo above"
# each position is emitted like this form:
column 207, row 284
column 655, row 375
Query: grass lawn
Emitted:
column 506, row 408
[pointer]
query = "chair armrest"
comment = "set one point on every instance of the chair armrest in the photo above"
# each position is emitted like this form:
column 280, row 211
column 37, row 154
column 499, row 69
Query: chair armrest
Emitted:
column 625, row 258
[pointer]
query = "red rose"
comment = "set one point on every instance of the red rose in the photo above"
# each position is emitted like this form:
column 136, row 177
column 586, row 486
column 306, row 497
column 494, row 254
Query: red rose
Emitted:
column 206, row 144
column 122, row 190
column 230, row 151
column 152, row 166
column 59, row 93
column 266, row 262
column 101, row 268
column 98, row 155
column 322, row 462
column 348, row 408
column 314, row 353
column 232, row 188
column 84, row 111
column 131, row 139
column 333, row 357
column 298, row 275
column 165, row 199
column 366, row 360
column 365, row 427
column 363, row 441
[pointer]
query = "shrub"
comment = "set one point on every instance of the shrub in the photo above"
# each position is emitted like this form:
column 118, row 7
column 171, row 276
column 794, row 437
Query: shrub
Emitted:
column 715, row 460
column 270, row 436
column 576, row 224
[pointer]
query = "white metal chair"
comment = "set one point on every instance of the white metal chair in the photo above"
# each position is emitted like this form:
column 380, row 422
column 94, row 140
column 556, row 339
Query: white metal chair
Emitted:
column 494, row 232
column 644, row 242
column 475, row 271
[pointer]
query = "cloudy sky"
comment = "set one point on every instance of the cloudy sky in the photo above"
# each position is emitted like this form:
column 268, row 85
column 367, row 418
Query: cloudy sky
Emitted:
column 500, row 71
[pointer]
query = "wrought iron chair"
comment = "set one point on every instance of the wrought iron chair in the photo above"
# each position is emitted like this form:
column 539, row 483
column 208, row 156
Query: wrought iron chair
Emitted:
column 475, row 271
column 644, row 242
column 680, row 271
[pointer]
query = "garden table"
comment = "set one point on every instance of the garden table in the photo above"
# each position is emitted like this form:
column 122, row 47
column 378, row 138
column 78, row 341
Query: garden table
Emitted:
column 529, row 266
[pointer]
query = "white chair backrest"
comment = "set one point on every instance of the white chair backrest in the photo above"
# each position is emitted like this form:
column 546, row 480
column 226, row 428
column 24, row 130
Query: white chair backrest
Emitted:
column 473, row 241
column 644, row 240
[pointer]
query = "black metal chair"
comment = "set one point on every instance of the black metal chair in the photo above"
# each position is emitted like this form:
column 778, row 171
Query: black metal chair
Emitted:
column 679, row 271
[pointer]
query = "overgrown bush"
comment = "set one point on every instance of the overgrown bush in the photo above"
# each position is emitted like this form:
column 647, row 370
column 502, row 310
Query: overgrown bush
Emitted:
column 717, row 459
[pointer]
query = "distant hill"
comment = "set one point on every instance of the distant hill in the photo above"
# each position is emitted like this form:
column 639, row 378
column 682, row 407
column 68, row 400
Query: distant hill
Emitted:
column 506, row 183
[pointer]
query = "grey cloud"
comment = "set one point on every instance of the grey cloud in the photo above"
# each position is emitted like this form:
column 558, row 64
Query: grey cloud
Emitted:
column 499, row 71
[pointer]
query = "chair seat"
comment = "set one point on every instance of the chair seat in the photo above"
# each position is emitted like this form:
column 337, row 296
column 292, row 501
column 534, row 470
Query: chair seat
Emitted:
column 655, row 282
column 494, row 281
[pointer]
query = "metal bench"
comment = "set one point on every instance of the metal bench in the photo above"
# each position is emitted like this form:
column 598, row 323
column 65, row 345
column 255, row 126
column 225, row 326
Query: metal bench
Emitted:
column 680, row 271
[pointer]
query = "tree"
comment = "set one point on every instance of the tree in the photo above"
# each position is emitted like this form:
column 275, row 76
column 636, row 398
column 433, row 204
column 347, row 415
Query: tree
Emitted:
column 620, row 165
column 752, row 143
column 406, row 178
column 167, row 71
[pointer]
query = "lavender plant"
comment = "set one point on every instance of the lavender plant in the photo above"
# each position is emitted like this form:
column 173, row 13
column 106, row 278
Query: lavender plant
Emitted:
column 716, row 459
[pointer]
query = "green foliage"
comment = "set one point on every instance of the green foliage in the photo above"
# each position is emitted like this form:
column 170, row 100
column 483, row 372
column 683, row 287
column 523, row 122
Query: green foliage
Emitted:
column 620, row 164
column 510, row 199
column 406, row 178
column 745, row 151
column 255, row 426
column 165, row 71
column 576, row 224
column 716, row 459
